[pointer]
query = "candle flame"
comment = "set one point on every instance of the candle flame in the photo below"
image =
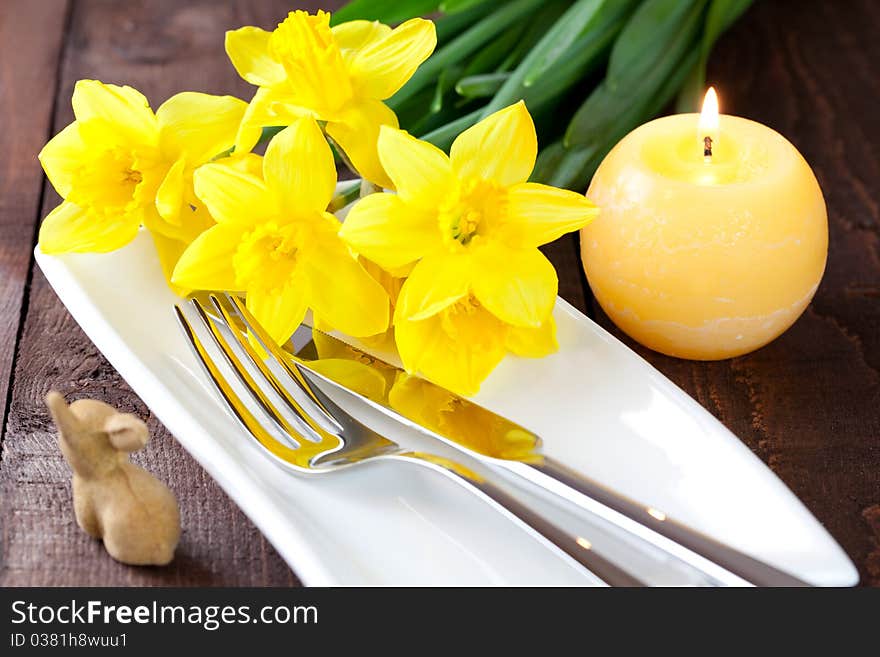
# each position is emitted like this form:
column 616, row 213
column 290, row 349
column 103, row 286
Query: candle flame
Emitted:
column 708, row 125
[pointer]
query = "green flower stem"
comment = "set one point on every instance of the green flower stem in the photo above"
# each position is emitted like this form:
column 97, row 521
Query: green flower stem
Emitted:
column 348, row 195
column 443, row 137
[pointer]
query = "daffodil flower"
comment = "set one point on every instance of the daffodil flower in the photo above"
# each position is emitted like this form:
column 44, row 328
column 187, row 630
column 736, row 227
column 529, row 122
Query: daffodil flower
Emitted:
column 275, row 241
column 458, row 346
column 340, row 75
column 119, row 166
column 466, row 227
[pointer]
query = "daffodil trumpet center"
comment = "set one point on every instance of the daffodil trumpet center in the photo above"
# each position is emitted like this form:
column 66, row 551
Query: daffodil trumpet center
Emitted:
column 467, row 321
column 304, row 45
column 267, row 255
column 112, row 164
column 471, row 212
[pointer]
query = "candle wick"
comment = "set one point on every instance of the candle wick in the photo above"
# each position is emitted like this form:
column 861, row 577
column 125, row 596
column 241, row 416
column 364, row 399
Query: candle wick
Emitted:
column 707, row 147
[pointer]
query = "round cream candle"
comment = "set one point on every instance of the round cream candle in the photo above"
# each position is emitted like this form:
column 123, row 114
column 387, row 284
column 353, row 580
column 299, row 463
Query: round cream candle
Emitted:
column 711, row 238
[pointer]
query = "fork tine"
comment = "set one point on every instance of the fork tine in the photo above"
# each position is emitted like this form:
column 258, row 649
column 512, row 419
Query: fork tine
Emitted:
column 239, row 409
column 316, row 441
column 281, row 357
column 307, row 409
column 256, row 391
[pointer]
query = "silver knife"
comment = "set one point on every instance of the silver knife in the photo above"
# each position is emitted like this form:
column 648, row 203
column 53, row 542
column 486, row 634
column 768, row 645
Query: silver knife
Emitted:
column 514, row 452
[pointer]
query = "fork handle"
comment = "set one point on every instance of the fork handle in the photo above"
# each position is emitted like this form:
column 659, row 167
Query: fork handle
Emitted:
column 579, row 550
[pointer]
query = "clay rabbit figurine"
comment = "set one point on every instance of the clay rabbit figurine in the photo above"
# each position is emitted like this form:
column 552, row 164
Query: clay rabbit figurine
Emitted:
column 132, row 511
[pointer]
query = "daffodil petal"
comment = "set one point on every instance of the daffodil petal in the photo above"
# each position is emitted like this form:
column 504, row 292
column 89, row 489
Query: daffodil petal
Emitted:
column 420, row 171
column 245, row 162
column 63, row 157
column 126, row 109
column 248, row 50
column 169, row 197
column 200, row 126
column 298, row 167
column 256, row 116
column 357, row 134
column 191, row 222
column 232, row 195
column 502, row 147
column 386, row 230
column 384, row 65
column 354, row 35
column 425, row 347
column 436, row 282
column 207, row 263
column 268, row 108
column 279, row 310
column 70, row 229
column 518, row 286
column 537, row 214
column 169, row 252
column 533, row 342
column 342, row 293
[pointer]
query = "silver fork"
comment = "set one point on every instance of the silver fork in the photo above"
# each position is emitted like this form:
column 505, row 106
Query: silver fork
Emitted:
column 706, row 559
column 308, row 433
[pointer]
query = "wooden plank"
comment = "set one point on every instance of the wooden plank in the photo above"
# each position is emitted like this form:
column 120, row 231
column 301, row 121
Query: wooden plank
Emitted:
column 160, row 48
column 28, row 77
column 807, row 403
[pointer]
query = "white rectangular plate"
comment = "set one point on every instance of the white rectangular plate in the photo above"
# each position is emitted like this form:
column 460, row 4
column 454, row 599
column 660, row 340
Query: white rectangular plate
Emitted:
column 597, row 405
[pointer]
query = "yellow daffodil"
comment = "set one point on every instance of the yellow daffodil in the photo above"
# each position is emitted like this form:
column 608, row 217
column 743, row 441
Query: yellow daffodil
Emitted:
column 340, row 75
column 119, row 166
column 459, row 345
column 275, row 241
column 467, row 227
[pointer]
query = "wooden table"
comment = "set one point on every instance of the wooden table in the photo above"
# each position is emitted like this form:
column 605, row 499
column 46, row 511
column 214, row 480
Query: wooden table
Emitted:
column 807, row 404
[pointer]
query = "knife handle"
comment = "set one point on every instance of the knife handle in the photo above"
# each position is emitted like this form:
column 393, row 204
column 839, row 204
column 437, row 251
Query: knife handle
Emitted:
column 542, row 529
column 721, row 563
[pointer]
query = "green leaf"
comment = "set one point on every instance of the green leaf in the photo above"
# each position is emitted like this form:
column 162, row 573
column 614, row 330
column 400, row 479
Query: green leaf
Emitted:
column 536, row 27
column 445, row 83
column 574, row 63
column 455, row 6
column 491, row 57
column 611, row 99
column 692, row 90
column 563, row 33
column 576, row 167
column 655, row 25
column 481, row 86
column 414, row 109
column 577, row 63
column 463, row 45
column 386, row 11
column 549, row 159
column 451, row 25
column 444, row 136
column 721, row 15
